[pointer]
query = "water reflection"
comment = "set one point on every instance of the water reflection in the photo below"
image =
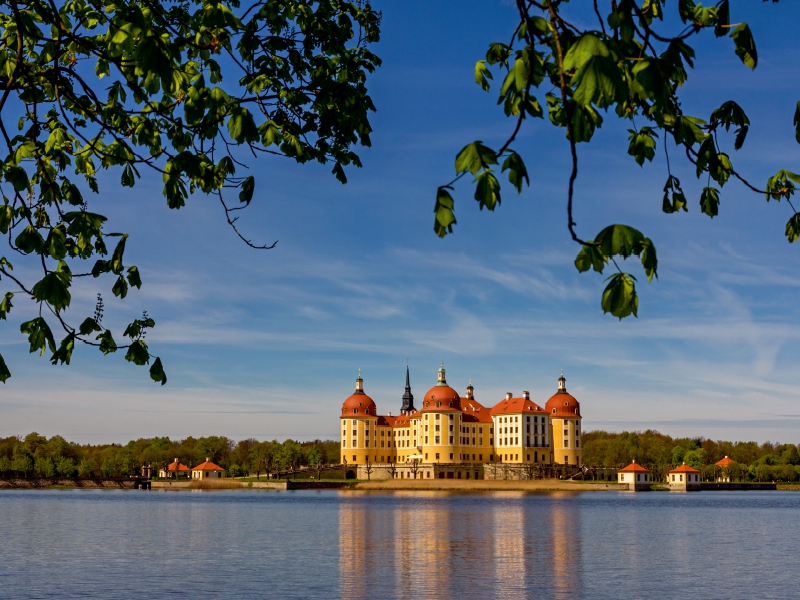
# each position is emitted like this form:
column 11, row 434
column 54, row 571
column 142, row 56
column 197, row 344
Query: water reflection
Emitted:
column 438, row 545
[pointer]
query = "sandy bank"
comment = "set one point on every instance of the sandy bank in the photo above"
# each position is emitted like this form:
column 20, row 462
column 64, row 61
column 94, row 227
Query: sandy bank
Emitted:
column 480, row 485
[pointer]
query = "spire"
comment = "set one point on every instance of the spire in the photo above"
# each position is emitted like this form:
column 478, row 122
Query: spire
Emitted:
column 408, row 397
column 562, row 383
column 359, row 384
column 442, row 380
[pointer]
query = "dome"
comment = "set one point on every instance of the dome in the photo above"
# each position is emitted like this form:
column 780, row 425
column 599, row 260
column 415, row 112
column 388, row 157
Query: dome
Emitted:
column 359, row 405
column 562, row 404
column 444, row 395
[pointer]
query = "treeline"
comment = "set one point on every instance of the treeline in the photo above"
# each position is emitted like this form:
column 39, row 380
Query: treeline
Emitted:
column 35, row 455
column 659, row 452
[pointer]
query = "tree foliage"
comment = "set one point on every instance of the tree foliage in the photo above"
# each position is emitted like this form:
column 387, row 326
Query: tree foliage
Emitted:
column 35, row 455
column 180, row 88
column 624, row 63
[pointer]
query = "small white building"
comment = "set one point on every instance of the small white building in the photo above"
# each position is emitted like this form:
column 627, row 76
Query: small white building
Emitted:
column 684, row 479
column 206, row 470
column 636, row 477
column 175, row 469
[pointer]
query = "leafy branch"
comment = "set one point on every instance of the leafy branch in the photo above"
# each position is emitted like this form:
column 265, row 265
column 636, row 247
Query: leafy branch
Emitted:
column 631, row 67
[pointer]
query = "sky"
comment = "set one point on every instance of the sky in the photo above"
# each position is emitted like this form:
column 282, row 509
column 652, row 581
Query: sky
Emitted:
column 268, row 344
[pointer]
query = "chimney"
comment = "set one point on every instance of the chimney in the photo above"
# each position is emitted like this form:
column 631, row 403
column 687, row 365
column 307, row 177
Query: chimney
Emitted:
column 176, row 461
column 390, row 413
column 526, row 395
column 208, row 459
column 508, row 395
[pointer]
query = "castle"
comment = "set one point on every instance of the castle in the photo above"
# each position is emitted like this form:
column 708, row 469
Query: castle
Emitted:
column 458, row 436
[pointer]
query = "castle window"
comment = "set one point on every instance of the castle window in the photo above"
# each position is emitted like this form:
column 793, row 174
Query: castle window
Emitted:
column 451, row 404
column 437, row 456
column 438, row 404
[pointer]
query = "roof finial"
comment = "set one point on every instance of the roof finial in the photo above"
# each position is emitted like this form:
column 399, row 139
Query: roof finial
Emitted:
column 359, row 383
column 562, row 372
column 441, row 375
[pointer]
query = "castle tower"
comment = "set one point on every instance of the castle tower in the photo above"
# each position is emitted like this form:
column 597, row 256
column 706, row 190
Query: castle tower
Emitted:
column 359, row 421
column 565, row 426
column 408, row 398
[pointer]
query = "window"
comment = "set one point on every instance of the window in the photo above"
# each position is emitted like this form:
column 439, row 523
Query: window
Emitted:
column 491, row 457
column 426, row 427
column 491, row 441
column 437, row 440
column 436, row 427
column 451, row 439
column 566, row 443
column 437, row 417
column 426, row 440
column 437, row 456
column 451, row 456
column 451, row 426
column 354, row 458
column 355, row 432
column 491, row 430
column 577, row 443
column 381, row 443
column 451, row 417
column 344, row 443
column 480, row 429
column 527, row 419
column 566, row 432
column 426, row 456
column 527, row 457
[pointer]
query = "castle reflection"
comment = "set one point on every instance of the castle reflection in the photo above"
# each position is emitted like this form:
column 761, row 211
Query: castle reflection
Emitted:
column 441, row 545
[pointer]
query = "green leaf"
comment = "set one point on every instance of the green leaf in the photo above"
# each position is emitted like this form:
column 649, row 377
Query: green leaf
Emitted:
column 53, row 288
column 137, row 353
column 619, row 297
column 649, row 259
column 6, row 216
column 5, row 305
column 482, row 75
column 797, row 123
column 120, row 287
column 516, row 170
column 107, row 343
column 709, row 201
column 39, row 335
column 17, row 177
column 157, row 372
column 590, row 257
column 674, row 198
column 781, row 184
column 30, row 240
column 745, row 45
column 487, row 192
column 64, row 352
column 4, row 372
column 642, row 144
column 248, row 187
column 723, row 18
column 88, row 326
column 596, row 79
column 619, row 240
column 474, row 157
column 134, row 278
column 793, row 228
column 242, row 126
column 445, row 217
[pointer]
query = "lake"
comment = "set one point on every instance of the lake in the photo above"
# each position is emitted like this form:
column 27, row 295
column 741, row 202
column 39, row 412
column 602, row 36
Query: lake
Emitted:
column 344, row 544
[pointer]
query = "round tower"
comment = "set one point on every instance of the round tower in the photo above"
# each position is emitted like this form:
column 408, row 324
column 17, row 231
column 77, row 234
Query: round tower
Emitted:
column 359, row 419
column 565, row 426
column 441, row 423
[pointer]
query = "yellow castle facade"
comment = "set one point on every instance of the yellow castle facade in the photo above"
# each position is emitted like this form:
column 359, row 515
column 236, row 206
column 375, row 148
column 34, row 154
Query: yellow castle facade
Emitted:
column 448, row 429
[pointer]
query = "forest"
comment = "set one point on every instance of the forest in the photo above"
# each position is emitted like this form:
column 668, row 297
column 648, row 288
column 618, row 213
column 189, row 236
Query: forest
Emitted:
column 36, row 455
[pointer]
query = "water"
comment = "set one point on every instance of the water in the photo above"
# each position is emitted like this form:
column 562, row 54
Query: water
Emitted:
column 266, row 544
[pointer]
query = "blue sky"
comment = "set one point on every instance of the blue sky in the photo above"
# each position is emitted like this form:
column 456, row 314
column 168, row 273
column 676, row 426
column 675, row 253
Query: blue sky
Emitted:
column 267, row 344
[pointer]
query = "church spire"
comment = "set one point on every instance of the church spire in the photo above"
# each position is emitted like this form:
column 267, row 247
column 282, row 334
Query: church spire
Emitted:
column 408, row 397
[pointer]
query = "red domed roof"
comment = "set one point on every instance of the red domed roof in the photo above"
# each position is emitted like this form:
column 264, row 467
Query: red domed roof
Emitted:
column 359, row 405
column 563, row 404
column 443, row 395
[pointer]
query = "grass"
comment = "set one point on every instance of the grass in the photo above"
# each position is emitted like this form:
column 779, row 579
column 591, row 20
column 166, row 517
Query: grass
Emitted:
column 217, row 484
